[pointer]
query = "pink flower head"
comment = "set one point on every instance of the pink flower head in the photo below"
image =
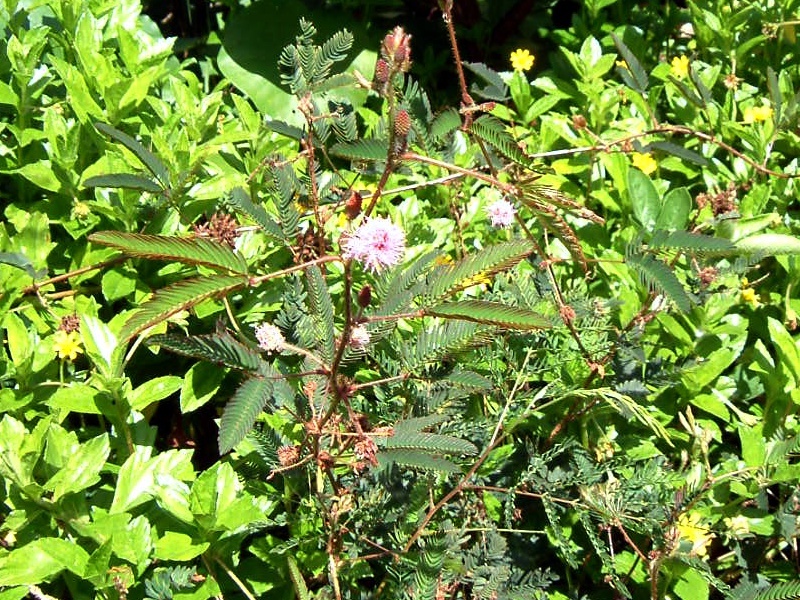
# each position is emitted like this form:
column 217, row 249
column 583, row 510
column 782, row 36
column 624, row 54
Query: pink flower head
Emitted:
column 501, row 213
column 377, row 243
column 270, row 338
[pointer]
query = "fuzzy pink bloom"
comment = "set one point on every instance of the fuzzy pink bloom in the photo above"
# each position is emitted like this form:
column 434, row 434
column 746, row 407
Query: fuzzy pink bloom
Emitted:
column 270, row 338
column 359, row 337
column 501, row 213
column 377, row 243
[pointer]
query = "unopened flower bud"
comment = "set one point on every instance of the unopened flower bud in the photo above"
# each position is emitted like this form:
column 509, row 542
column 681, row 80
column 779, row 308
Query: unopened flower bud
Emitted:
column 396, row 49
column 402, row 123
column 365, row 296
column 381, row 71
column 352, row 206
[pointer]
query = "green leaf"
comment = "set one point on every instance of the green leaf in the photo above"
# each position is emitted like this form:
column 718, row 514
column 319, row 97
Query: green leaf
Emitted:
column 142, row 478
column 240, row 200
column 675, row 209
column 689, row 241
column 787, row 348
column 154, row 390
column 688, row 92
column 153, row 164
column 40, row 560
column 19, row 260
column 769, row 244
column 446, row 280
column 81, row 469
column 179, row 547
column 192, row 251
column 242, row 410
column 200, row 385
column 118, row 283
column 177, row 297
column 102, row 345
column 496, row 88
column 494, row 132
column 683, row 153
column 644, row 199
column 221, row 348
column 213, row 492
column 124, row 180
column 656, row 274
column 416, row 460
column 445, row 123
column 639, row 76
column 321, row 310
column 77, row 397
column 491, row 313
column 428, row 442
column 363, row 149
column 41, row 174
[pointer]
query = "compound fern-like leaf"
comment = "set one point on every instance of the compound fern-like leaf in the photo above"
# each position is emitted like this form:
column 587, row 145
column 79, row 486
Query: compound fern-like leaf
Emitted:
column 657, row 275
column 429, row 442
column 220, row 348
column 321, row 309
column 177, row 297
column 240, row 200
column 242, row 410
column 190, row 251
column 446, row 280
column 493, row 131
column 417, row 460
column 491, row 313
column 371, row 149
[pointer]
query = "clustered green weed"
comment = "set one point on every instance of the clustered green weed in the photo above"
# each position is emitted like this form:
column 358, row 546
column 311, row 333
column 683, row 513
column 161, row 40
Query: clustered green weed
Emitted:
column 538, row 345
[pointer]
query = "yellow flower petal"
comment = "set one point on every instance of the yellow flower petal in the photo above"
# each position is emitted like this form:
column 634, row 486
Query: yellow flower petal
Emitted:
column 644, row 162
column 521, row 60
column 67, row 345
column 679, row 67
column 756, row 114
column 690, row 530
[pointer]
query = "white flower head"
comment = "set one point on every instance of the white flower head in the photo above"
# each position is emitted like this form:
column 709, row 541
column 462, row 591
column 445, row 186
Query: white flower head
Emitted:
column 359, row 337
column 270, row 338
column 501, row 213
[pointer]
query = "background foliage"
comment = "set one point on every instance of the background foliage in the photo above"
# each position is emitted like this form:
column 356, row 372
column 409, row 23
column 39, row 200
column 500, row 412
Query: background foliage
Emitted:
column 596, row 398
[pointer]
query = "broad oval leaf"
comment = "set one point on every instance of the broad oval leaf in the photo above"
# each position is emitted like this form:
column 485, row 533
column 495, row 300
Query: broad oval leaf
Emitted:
column 769, row 244
column 192, row 251
column 124, row 180
column 644, row 199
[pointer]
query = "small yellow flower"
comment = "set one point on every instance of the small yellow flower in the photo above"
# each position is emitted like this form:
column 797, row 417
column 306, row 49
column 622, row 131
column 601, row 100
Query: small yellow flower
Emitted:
column 521, row 60
column 755, row 114
column 67, row 345
column 680, row 66
column 644, row 162
column 690, row 530
column 749, row 296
